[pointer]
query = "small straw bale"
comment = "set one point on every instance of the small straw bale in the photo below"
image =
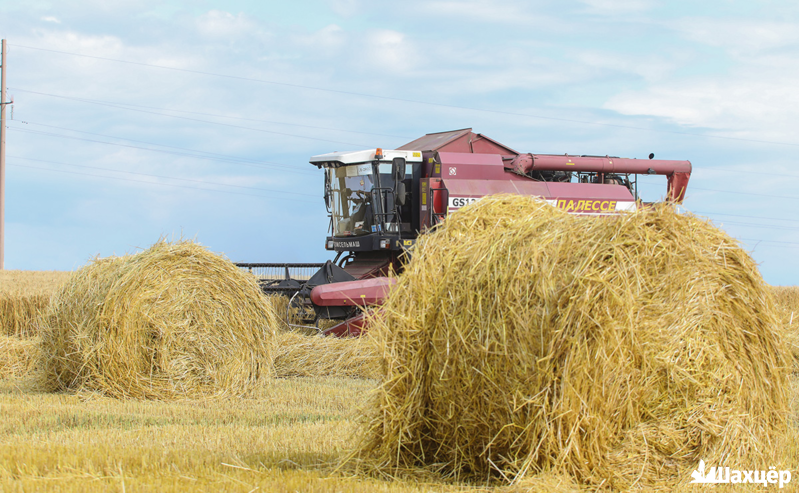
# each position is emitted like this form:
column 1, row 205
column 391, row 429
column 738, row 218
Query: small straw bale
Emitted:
column 787, row 301
column 18, row 356
column 292, row 316
column 298, row 355
column 618, row 351
column 24, row 295
column 174, row 320
column 19, row 313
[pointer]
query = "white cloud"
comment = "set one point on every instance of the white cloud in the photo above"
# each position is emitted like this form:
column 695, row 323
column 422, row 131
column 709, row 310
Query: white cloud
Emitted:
column 390, row 50
column 739, row 36
column 615, row 7
column 50, row 18
column 345, row 8
column 329, row 39
column 738, row 106
column 752, row 93
column 219, row 24
column 649, row 67
column 485, row 11
column 102, row 45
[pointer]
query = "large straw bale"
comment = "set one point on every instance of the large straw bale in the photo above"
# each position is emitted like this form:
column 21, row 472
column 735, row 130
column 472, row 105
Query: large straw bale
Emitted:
column 174, row 320
column 618, row 351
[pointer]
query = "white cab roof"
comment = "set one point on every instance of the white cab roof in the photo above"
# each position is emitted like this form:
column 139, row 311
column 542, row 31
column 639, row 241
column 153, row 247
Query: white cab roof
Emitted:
column 353, row 157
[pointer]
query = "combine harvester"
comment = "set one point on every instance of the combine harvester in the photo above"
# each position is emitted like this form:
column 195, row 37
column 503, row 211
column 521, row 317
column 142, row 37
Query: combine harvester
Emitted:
column 380, row 201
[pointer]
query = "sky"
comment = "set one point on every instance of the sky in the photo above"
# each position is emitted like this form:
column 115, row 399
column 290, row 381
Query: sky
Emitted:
column 138, row 120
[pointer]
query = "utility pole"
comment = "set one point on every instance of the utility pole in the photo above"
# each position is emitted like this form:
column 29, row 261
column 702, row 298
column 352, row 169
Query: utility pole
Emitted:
column 4, row 67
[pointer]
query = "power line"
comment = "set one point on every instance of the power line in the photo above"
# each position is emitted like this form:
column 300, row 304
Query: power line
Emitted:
column 765, row 226
column 716, row 169
column 284, row 134
column 747, row 217
column 160, row 184
column 770, row 241
column 120, row 104
column 735, row 192
column 16, row 129
column 791, row 197
column 404, row 100
column 220, row 157
column 162, row 176
column 779, row 243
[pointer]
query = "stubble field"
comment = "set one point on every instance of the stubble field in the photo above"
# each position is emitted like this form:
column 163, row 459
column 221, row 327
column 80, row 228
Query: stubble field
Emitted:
column 288, row 435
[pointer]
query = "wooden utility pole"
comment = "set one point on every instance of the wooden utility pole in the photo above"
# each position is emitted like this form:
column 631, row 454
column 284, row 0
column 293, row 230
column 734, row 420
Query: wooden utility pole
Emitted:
column 4, row 67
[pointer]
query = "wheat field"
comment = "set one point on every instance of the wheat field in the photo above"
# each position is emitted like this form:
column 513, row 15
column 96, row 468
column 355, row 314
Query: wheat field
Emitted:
column 291, row 434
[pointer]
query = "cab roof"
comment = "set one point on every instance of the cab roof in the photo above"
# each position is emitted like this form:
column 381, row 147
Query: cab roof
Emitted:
column 336, row 159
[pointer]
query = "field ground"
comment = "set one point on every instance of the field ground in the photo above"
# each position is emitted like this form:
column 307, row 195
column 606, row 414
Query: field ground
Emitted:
column 30, row 283
column 288, row 436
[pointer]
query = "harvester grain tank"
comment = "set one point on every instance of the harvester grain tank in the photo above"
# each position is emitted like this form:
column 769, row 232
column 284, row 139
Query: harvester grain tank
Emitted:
column 380, row 201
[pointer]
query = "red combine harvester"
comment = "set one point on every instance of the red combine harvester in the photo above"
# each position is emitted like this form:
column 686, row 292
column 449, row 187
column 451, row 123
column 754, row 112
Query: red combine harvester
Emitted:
column 380, row 201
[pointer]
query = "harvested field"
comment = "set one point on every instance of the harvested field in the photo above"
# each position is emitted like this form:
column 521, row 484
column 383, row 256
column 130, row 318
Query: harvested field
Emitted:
column 286, row 436
column 26, row 282
column 173, row 321
column 522, row 341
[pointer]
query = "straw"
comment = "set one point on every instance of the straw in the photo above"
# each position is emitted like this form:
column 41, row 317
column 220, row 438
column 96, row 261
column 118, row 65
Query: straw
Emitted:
column 618, row 351
column 175, row 320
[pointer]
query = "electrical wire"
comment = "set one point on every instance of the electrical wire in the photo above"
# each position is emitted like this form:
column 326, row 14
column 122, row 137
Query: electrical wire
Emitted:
column 255, row 188
column 721, row 169
column 404, row 100
column 210, row 155
column 747, row 217
column 770, row 241
column 241, row 127
column 161, row 184
column 162, row 176
column 127, row 106
column 791, row 197
column 118, row 104
column 143, row 148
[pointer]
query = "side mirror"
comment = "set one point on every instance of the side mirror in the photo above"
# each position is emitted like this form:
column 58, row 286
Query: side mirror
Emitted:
column 398, row 169
column 327, row 190
column 398, row 173
column 399, row 193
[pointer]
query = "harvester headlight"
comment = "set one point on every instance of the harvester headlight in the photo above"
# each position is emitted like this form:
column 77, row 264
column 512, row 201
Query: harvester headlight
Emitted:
column 385, row 244
column 329, row 245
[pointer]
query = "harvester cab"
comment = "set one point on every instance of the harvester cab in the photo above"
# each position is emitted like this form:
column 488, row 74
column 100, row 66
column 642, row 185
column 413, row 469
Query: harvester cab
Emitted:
column 369, row 197
column 379, row 202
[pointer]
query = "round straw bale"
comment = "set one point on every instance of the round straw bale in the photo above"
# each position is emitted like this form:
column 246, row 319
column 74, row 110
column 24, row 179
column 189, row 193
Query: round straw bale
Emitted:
column 616, row 350
column 174, row 320
column 299, row 355
column 18, row 356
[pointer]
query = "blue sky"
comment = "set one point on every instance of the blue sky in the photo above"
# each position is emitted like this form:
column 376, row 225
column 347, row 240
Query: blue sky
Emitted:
column 105, row 157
